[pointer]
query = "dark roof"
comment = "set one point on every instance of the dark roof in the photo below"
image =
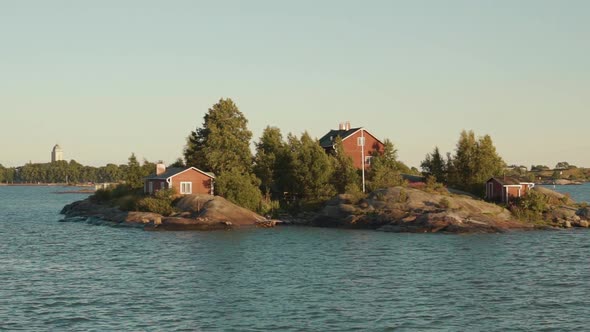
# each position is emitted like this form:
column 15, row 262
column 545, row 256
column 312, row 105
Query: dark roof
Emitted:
column 505, row 181
column 173, row 171
column 327, row 141
column 169, row 172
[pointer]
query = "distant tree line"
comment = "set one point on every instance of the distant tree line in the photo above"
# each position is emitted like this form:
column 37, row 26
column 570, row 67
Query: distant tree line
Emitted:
column 73, row 172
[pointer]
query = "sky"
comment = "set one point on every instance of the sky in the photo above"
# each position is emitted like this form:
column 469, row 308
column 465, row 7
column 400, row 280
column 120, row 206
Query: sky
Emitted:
column 105, row 79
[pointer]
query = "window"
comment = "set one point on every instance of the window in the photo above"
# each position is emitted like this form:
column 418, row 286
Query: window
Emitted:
column 360, row 141
column 186, row 188
column 368, row 160
column 150, row 187
column 162, row 185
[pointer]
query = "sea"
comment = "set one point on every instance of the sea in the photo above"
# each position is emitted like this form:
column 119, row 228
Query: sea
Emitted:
column 75, row 276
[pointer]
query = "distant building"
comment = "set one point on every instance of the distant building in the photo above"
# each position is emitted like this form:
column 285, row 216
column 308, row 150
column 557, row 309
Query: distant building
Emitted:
column 57, row 153
column 357, row 143
column 186, row 181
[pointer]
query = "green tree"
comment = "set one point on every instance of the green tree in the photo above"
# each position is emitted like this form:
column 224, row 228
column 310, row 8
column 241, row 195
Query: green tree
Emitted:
column 223, row 143
column 384, row 171
column 310, row 170
column 345, row 178
column 434, row 164
column 239, row 188
column 269, row 161
column 475, row 162
column 134, row 175
column 9, row 175
column 178, row 163
column 2, row 173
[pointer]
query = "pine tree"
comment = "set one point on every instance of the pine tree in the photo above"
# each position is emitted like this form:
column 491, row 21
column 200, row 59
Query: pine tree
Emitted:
column 223, row 143
column 134, row 176
column 434, row 164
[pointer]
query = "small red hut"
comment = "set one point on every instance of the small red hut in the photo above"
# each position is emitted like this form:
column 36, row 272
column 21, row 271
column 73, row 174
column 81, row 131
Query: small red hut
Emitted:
column 502, row 189
column 186, row 181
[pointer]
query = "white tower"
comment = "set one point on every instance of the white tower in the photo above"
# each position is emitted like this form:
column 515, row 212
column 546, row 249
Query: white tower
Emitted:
column 57, row 153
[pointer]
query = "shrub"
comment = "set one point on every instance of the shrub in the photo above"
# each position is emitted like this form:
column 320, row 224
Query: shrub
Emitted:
column 152, row 204
column 403, row 196
column 530, row 207
column 444, row 203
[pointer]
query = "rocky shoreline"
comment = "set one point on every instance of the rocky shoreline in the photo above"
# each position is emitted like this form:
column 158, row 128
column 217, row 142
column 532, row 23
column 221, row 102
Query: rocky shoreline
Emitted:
column 397, row 209
column 198, row 212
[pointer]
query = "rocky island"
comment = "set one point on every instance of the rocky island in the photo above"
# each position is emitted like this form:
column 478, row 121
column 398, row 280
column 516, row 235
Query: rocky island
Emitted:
column 394, row 209
column 196, row 212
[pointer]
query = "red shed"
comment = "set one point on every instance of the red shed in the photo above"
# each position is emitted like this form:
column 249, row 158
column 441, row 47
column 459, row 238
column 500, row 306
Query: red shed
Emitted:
column 358, row 143
column 185, row 180
column 501, row 189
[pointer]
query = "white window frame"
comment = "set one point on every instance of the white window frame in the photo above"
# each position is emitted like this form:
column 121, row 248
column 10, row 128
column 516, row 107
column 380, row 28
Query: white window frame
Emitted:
column 360, row 141
column 150, row 187
column 186, row 192
column 368, row 160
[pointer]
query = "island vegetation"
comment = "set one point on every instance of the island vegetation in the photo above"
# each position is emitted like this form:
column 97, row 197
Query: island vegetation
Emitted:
column 293, row 176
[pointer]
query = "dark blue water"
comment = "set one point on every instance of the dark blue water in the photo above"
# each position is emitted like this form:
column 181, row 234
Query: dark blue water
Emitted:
column 79, row 277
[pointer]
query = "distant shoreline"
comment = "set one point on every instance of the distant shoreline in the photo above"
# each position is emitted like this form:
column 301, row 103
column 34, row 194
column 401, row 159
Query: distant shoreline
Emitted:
column 44, row 185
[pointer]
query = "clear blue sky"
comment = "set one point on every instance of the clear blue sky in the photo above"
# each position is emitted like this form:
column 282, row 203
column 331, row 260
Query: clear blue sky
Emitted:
column 107, row 78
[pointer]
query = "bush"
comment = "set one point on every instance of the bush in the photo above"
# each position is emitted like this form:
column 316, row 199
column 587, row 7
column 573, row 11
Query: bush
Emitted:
column 155, row 205
column 403, row 196
column 113, row 193
column 161, row 202
column 530, row 207
column 444, row 203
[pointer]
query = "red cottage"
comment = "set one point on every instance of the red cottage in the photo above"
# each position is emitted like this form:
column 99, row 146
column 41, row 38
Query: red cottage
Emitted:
column 502, row 189
column 185, row 180
column 358, row 143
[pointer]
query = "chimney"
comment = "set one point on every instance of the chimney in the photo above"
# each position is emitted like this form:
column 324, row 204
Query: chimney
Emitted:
column 347, row 125
column 160, row 169
column 341, row 126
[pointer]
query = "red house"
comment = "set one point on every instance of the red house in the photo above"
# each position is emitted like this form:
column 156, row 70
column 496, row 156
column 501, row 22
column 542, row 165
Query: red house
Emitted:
column 186, row 181
column 502, row 189
column 358, row 143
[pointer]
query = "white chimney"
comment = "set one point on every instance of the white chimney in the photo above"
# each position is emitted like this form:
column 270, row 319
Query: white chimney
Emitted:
column 347, row 125
column 341, row 126
column 160, row 169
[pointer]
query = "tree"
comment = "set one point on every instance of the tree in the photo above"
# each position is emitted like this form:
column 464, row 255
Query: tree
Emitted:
column 223, row 143
column 134, row 175
column 434, row 164
column 384, row 171
column 310, row 170
column 2, row 173
column 345, row 178
column 269, row 161
column 562, row 165
column 475, row 161
column 239, row 188
column 178, row 163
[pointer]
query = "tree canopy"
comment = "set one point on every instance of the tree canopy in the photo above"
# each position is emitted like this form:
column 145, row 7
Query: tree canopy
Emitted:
column 223, row 142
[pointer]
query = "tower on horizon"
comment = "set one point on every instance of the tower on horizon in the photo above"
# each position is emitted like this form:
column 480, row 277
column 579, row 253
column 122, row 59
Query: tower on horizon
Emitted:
column 57, row 153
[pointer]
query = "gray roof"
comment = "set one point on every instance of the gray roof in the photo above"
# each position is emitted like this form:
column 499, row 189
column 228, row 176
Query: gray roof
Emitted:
column 327, row 141
column 173, row 171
